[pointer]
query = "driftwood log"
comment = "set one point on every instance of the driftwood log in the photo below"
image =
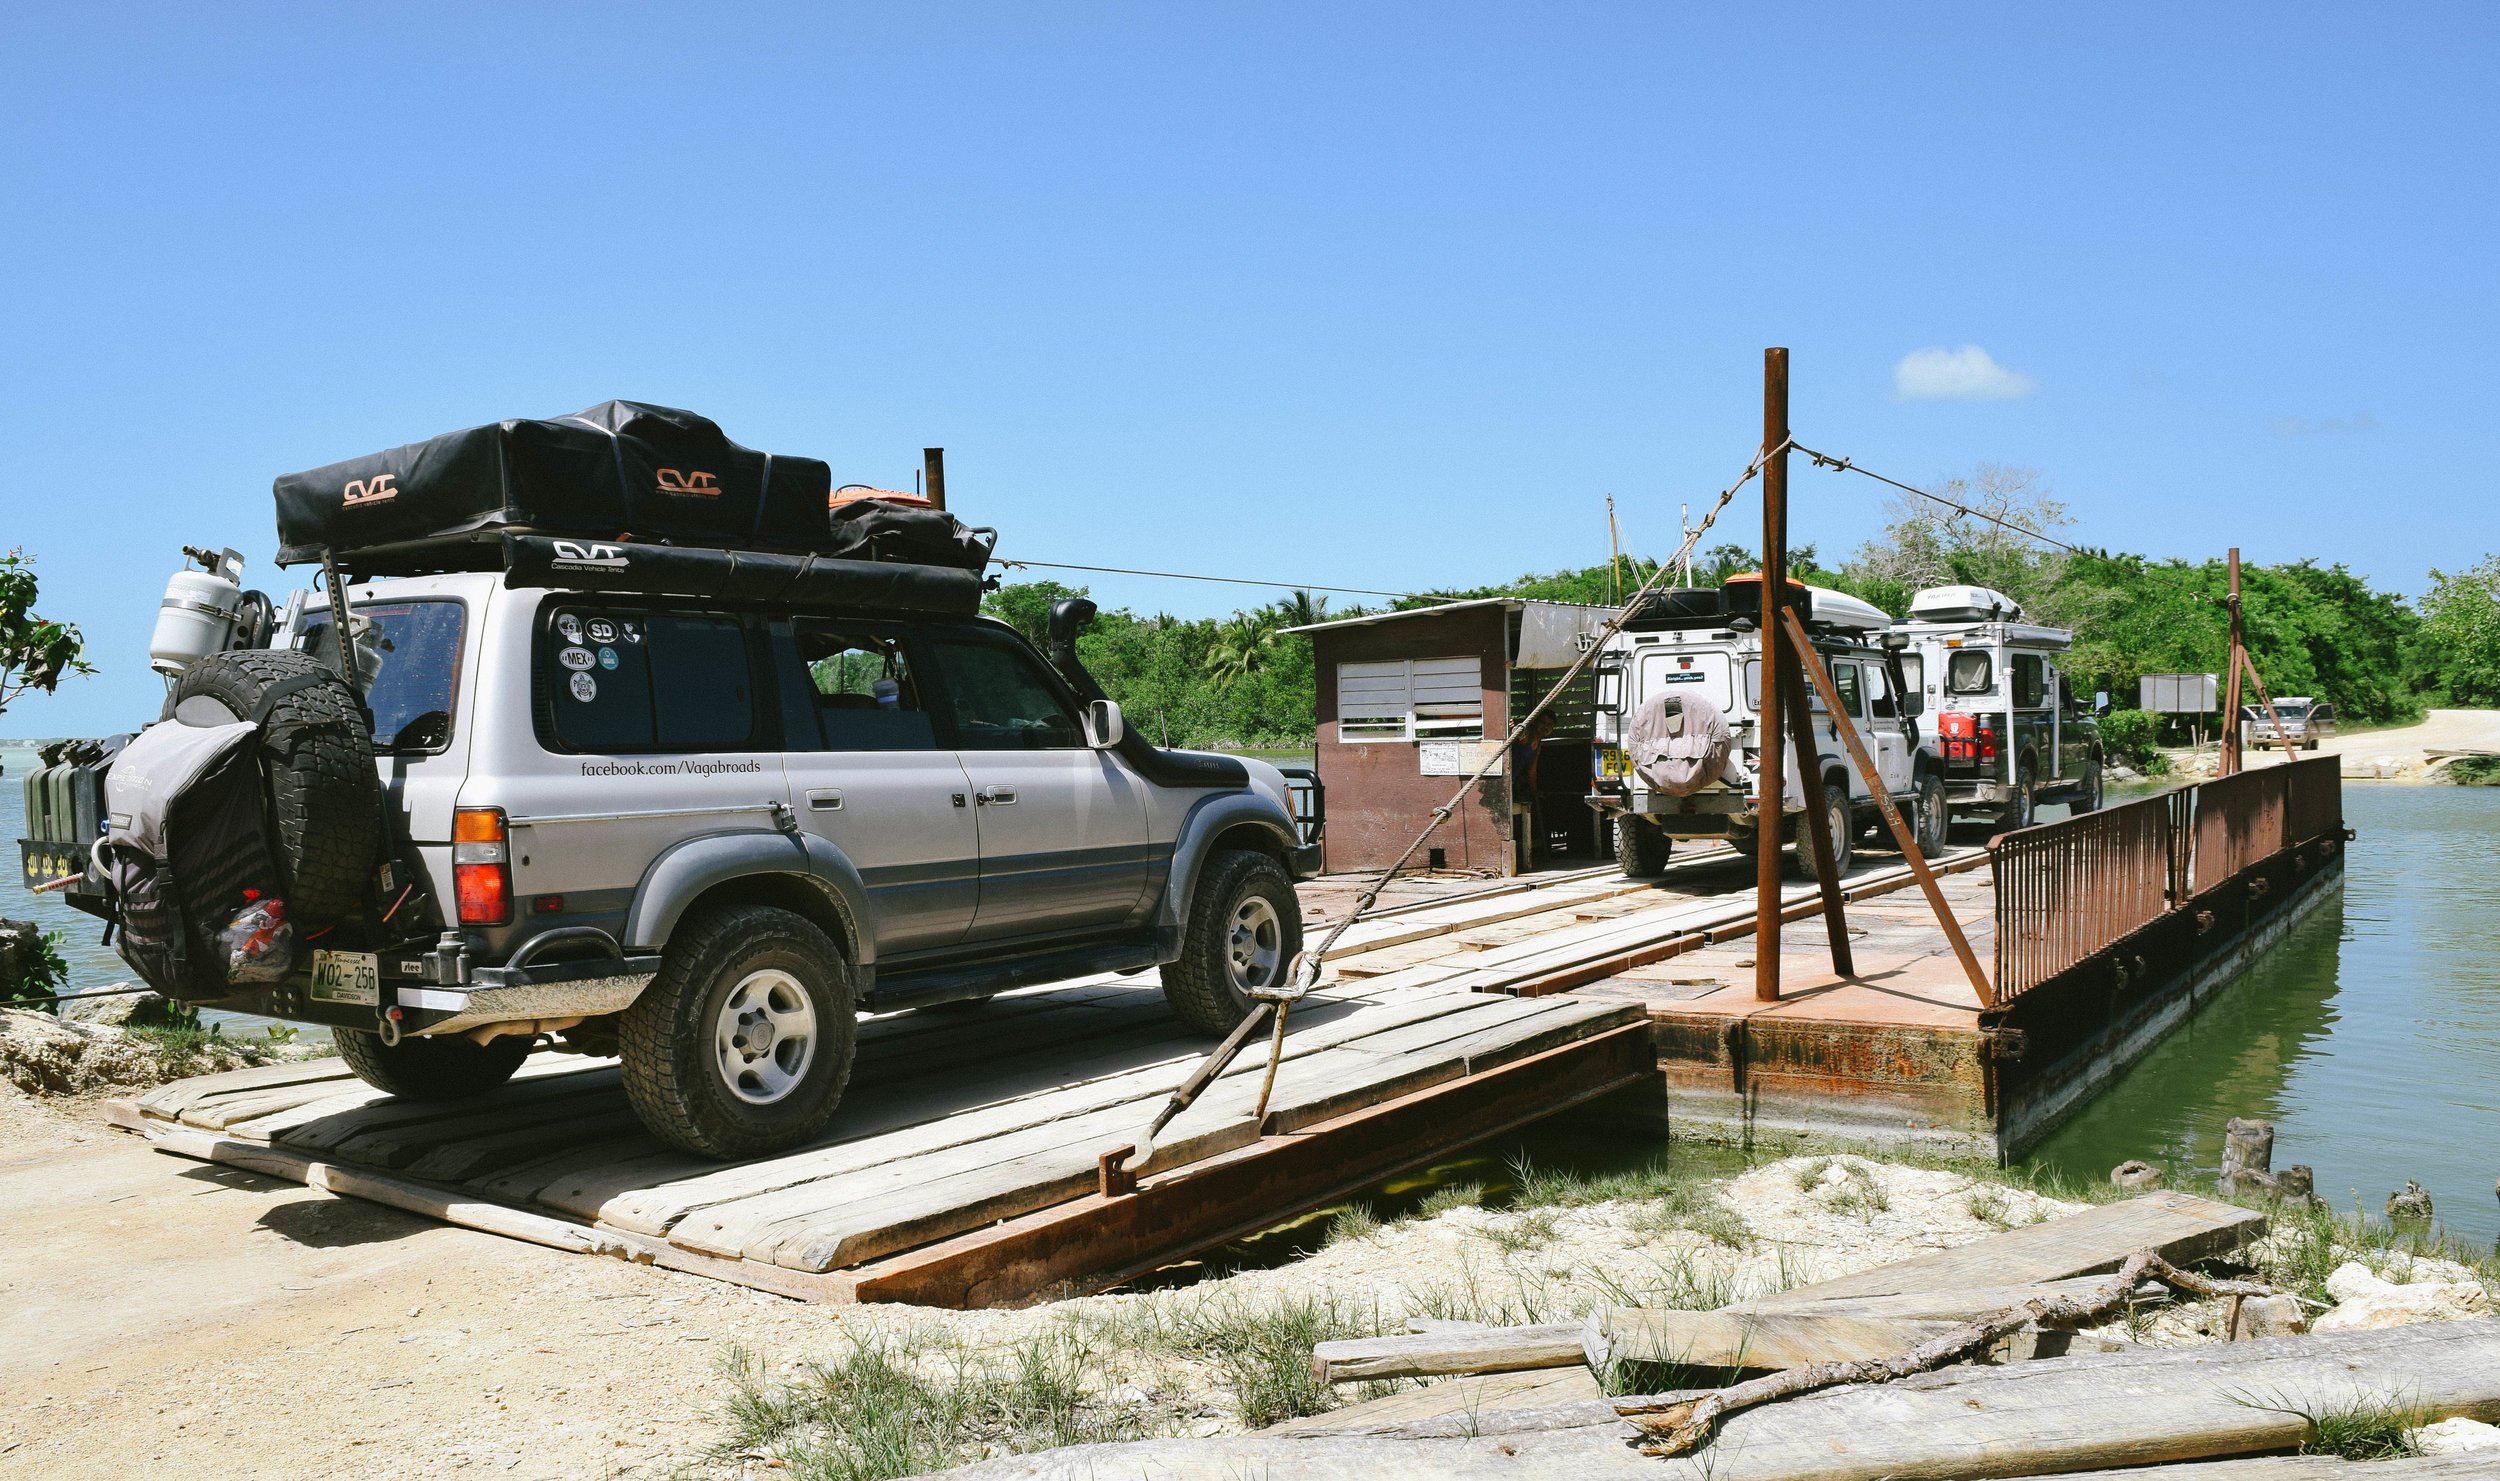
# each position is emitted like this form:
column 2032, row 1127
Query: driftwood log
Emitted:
column 1685, row 1424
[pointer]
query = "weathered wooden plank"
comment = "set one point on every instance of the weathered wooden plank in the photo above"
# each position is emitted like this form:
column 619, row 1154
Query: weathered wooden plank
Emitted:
column 540, row 1084
column 928, row 1123
column 1482, row 1403
column 2069, row 1417
column 398, row 1143
column 1769, row 1339
column 169, row 1100
column 2179, row 1227
column 472, row 1156
column 1939, row 1306
column 1237, row 1193
column 1432, row 1354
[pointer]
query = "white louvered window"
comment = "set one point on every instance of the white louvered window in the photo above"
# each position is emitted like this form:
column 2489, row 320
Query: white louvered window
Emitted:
column 1411, row 699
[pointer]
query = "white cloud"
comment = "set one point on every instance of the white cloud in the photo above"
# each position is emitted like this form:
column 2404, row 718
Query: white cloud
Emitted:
column 1967, row 374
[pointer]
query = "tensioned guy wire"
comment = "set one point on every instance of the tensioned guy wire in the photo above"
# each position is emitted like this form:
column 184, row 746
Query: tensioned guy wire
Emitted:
column 1844, row 465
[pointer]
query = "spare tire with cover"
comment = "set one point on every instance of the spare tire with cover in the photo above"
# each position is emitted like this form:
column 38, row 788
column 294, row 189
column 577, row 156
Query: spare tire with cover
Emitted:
column 324, row 797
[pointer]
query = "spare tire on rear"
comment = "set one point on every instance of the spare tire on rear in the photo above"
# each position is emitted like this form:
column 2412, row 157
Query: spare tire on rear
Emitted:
column 324, row 796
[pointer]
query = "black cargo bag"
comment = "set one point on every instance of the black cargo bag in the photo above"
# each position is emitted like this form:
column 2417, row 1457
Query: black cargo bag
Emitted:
column 876, row 530
column 186, row 850
column 618, row 470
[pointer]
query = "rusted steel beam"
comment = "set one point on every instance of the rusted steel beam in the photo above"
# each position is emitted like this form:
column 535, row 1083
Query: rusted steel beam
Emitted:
column 1771, row 811
column 1810, row 781
column 1892, row 816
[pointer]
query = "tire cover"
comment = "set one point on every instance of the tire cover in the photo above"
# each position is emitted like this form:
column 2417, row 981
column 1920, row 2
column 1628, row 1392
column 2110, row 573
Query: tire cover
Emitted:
column 317, row 757
column 1679, row 743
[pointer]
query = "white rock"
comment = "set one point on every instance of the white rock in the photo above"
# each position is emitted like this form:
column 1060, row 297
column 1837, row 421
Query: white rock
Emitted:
column 2457, row 1436
column 2365, row 1303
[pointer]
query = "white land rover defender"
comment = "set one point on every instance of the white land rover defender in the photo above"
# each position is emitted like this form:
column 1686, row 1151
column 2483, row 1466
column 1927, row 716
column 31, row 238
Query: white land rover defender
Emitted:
column 698, row 798
column 2014, row 735
column 1703, row 640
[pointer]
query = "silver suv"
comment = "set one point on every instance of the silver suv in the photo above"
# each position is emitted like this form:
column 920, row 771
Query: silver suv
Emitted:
column 706, row 836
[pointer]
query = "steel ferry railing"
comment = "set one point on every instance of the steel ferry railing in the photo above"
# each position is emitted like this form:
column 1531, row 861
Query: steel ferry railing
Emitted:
column 2068, row 889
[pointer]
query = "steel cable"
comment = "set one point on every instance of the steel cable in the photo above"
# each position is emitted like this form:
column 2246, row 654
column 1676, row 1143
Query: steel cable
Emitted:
column 1845, row 465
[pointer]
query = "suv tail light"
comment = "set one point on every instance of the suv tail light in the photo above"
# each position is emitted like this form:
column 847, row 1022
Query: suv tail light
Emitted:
column 1987, row 743
column 481, row 866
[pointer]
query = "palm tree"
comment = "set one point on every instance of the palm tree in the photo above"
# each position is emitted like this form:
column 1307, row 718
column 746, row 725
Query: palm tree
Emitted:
column 1241, row 647
column 1299, row 610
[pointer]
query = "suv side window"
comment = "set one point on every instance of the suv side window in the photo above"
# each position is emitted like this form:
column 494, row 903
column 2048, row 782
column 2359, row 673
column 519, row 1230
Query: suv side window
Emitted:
column 2030, row 681
column 1845, row 679
column 634, row 681
column 865, row 687
column 1879, row 703
column 1000, row 701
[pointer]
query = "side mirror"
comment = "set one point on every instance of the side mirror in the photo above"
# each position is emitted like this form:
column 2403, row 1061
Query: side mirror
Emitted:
column 1104, row 726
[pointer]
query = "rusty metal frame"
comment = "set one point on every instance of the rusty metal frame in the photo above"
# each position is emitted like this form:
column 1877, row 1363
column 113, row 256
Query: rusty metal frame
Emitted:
column 1813, row 662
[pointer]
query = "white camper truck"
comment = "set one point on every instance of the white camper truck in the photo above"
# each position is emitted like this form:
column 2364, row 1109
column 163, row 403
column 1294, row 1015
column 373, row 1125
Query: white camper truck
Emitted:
column 2012, row 734
column 1703, row 641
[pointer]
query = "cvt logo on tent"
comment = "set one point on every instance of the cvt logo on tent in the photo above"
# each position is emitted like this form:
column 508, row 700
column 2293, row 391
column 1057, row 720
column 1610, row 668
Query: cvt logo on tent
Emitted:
column 571, row 556
column 696, row 485
column 374, row 490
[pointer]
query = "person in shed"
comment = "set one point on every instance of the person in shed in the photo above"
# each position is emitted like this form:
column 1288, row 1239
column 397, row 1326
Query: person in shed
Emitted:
column 1523, row 803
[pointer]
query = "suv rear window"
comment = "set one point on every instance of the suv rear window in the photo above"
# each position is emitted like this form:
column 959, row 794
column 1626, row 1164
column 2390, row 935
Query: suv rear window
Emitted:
column 410, row 659
column 637, row 681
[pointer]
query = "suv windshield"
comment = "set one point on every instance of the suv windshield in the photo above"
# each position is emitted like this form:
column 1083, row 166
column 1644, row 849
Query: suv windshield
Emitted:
column 409, row 662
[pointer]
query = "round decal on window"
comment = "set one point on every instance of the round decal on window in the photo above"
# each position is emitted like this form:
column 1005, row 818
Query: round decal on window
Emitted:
column 602, row 630
column 607, row 658
column 632, row 630
column 570, row 626
column 585, row 688
column 576, row 658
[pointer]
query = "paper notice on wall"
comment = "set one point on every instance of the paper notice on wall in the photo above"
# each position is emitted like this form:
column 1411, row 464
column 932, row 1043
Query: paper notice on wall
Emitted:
column 1458, row 758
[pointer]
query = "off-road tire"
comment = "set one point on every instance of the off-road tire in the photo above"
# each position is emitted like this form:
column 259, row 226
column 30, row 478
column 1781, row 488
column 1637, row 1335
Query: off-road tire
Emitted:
column 1747, row 843
column 1835, row 816
column 674, row 1076
column 446, row 1068
column 323, row 793
column 2088, row 792
column 1931, row 818
column 2021, row 808
column 1199, row 984
column 1640, row 848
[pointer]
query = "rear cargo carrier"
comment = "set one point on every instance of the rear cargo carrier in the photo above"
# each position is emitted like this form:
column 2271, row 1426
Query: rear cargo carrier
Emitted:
column 618, row 471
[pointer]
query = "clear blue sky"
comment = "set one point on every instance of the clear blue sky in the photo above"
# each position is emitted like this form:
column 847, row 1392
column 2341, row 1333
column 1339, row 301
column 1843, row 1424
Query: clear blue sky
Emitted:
column 1370, row 296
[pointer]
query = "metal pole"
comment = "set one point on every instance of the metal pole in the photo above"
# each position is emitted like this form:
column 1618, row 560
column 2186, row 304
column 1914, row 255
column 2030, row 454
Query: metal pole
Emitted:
column 1810, row 777
column 1770, row 813
column 2227, row 762
column 933, row 461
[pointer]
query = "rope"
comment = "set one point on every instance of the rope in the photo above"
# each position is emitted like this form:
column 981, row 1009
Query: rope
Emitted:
column 72, row 997
column 1844, row 465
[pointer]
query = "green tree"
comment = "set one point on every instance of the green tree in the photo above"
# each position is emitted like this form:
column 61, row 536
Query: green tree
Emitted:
column 35, row 654
column 1242, row 647
column 2461, row 621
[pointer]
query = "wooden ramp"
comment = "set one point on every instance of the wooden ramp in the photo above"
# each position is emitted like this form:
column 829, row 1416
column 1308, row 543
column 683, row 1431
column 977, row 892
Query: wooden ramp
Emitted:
column 962, row 1168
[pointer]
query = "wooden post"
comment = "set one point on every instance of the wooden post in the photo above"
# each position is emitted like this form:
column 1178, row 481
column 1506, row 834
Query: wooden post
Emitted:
column 933, row 460
column 2227, row 763
column 1770, row 812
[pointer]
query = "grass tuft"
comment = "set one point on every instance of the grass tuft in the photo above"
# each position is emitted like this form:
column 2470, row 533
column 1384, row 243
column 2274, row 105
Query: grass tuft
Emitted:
column 2365, row 1429
column 1354, row 1223
column 1458, row 1195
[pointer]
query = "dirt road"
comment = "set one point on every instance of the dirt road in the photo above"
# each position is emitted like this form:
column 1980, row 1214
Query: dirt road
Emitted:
column 164, row 1317
column 2407, row 747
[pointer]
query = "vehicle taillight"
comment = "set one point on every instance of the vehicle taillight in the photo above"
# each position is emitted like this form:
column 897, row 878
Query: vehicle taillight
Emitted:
column 1987, row 743
column 481, row 872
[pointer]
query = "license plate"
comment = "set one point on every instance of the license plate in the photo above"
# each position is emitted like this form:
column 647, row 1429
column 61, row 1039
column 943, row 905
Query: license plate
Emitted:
column 1612, row 762
column 347, row 977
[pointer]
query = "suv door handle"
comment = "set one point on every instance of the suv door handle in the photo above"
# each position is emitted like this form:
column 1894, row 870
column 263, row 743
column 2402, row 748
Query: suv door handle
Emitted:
column 998, row 795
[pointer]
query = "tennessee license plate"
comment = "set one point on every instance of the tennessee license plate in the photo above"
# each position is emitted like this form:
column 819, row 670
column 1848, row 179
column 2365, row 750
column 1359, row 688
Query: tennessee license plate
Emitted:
column 347, row 977
column 1612, row 762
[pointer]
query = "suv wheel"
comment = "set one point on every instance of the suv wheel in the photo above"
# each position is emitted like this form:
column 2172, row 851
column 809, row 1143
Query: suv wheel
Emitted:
column 1244, row 929
column 743, row 1044
column 2018, row 808
column 1836, row 818
column 2088, row 796
column 449, row 1068
column 1639, row 847
column 1931, row 820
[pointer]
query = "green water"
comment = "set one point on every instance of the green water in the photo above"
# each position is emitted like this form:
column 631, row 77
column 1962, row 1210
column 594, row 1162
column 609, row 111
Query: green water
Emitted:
column 2370, row 1035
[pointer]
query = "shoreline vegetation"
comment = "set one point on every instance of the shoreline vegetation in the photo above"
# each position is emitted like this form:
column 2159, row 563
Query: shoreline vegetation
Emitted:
column 1232, row 1353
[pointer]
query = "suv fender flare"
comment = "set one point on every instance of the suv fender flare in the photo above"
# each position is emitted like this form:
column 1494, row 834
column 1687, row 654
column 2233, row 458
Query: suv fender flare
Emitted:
column 1209, row 818
column 684, row 870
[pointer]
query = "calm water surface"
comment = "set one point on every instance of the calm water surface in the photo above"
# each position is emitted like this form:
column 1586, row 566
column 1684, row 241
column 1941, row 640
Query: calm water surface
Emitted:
column 2370, row 1036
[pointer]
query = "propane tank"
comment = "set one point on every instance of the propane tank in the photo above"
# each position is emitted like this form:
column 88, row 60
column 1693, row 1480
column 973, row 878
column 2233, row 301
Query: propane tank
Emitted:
column 197, row 616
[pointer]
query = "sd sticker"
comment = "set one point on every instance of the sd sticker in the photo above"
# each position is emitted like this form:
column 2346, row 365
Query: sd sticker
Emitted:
column 576, row 659
column 602, row 630
column 585, row 688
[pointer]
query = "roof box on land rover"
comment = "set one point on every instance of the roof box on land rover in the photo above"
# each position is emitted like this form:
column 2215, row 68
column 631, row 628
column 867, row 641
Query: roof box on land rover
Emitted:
column 1740, row 600
column 619, row 470
column 1964, row 604
column 783, row 581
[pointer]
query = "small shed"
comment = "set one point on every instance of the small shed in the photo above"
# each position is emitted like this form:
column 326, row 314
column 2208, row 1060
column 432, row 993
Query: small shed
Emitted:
column 1410, row 702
